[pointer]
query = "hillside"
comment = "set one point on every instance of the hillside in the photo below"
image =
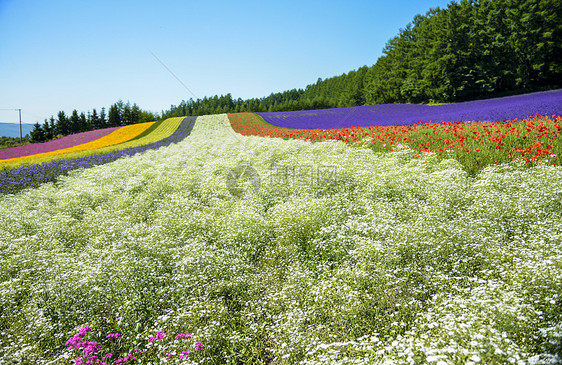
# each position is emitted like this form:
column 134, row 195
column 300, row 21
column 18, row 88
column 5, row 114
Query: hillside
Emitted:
column 339, row 256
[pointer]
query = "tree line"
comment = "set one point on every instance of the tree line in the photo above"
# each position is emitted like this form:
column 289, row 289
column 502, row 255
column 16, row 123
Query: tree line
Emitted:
column 472, row 49
column 119, row 114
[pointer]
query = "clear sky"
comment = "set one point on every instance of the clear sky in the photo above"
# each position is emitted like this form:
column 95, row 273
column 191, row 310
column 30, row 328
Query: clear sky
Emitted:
column 65, row 55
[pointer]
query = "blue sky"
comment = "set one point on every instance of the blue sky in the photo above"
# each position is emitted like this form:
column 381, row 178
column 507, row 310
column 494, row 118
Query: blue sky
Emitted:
column 65, row 55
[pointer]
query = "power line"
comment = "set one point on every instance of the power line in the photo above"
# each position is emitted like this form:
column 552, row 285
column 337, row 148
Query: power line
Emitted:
column 173, row 74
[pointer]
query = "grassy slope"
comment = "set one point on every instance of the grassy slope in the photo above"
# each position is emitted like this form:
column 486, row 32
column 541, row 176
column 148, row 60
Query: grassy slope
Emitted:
column 400, row 259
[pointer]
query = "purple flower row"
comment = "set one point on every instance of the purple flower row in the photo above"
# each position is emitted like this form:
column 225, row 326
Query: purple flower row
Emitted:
column 498, row 109
column 63, row 142
column 17, row 179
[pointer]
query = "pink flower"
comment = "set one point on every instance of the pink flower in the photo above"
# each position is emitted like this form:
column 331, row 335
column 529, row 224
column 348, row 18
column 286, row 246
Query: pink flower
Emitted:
column 159, row 335
column 83, row 331
column 113, row 335
column 199, row 346
column 74, row 342
column 91, row 348
column 185, row 354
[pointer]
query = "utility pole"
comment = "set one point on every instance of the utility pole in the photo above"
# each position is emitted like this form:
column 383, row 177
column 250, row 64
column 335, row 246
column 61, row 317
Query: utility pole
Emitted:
column 21, row 134
column 21, row 138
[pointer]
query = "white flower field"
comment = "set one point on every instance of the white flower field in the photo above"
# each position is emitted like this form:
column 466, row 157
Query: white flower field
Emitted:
column 338, row 256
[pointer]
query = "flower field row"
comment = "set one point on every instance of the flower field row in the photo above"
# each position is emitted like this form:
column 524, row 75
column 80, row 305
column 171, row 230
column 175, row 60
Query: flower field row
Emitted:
column 475, row 145
column 130, row 138
column 58, row 144
column 162, row 129
column 400, row 260
column 497, row 109
column 19, row 178
column 119, row 135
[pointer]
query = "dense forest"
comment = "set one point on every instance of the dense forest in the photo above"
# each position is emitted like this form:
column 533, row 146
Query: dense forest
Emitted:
column 119, row 114
column 469, row 50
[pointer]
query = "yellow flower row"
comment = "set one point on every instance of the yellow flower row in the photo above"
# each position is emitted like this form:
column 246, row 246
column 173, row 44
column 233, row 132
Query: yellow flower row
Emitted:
column 118, row 136
column 164, row 130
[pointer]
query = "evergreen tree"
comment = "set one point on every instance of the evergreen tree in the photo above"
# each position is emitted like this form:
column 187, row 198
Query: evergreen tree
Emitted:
column 114, row 116
column 37, row 134
column 95, row 120
column 74, row 122
column 103, row 119
column 48, row 132
column 53, row 127
column 63, row 124
column 126, row 117
column 83, row 124
column 135, row 114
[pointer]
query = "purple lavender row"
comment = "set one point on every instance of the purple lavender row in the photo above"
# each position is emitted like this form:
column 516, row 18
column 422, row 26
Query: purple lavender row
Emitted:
column 17, row 179
column 498, row 109
column 63, row 142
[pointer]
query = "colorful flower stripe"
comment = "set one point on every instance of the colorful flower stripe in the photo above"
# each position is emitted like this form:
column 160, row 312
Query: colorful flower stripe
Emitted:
column 473, row 144
column 164, row 129
column 58, row 144
column 17, row 179
column 506, row 108
column 120, row 135
column 151, row 129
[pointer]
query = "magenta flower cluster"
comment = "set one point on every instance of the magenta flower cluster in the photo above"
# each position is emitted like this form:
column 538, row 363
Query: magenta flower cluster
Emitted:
column 159, row 335
column 90, row 349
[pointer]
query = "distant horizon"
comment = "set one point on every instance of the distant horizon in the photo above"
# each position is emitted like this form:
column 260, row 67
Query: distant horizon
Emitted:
column 13, row 129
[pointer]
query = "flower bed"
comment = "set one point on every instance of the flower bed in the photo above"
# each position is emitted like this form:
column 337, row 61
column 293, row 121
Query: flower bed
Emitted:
column 58, row 144
column 475, row 145
column 17, row 179
column 498, row 109
column 119, row 135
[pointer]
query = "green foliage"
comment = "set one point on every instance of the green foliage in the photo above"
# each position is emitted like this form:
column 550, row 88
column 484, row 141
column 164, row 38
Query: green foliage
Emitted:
column 37, row 135
column 6, row 142
column 471, row 50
